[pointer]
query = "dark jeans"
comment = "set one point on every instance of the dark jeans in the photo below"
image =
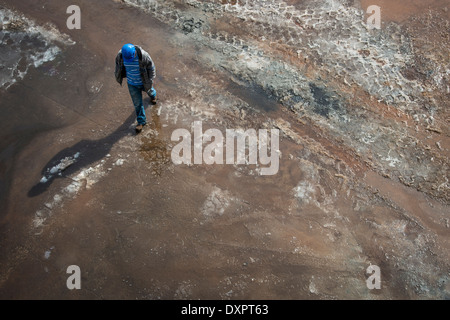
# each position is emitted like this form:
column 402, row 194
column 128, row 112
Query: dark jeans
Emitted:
column 136, row 96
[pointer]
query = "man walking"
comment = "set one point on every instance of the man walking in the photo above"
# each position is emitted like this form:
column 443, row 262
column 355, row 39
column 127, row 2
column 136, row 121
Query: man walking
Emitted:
column 135, row 64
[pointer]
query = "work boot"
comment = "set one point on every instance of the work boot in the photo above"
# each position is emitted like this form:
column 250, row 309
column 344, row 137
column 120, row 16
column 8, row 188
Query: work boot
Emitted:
column 139, row 127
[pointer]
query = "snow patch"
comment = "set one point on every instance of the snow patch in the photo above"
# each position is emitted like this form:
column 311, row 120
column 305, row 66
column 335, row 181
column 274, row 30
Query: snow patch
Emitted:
column 60, row 167
column 216, row 203
column 119, row 162
column 304, row 191
column 86, row 178
column 26, row 44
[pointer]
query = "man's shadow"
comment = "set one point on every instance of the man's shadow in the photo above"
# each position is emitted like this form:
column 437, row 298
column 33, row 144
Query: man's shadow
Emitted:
column 80, row 155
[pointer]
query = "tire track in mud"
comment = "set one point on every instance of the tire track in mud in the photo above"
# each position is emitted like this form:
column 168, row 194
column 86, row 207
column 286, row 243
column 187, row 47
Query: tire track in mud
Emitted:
column 319, row 59
column 323, row 178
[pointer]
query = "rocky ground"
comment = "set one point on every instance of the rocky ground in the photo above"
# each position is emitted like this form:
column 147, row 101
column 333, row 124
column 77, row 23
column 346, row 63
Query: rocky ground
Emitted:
column 364, row 144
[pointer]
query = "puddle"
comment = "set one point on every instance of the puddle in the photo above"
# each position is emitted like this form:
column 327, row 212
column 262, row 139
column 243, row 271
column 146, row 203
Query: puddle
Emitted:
column 154, row 149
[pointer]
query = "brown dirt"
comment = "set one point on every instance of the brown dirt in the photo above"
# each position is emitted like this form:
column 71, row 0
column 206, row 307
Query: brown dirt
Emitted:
column 141, row 227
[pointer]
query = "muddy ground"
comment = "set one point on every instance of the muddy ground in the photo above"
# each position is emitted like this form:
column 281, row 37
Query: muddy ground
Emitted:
column 364, row 144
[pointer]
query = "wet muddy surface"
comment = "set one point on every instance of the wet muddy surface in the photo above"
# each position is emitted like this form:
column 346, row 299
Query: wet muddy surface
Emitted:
column 363, row 154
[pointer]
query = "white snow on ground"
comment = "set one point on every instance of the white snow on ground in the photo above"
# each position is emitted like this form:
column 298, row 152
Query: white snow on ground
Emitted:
column 329, row 29
column 216, row 203
column 60, row 167
column 84, row 179
column 25, row 44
